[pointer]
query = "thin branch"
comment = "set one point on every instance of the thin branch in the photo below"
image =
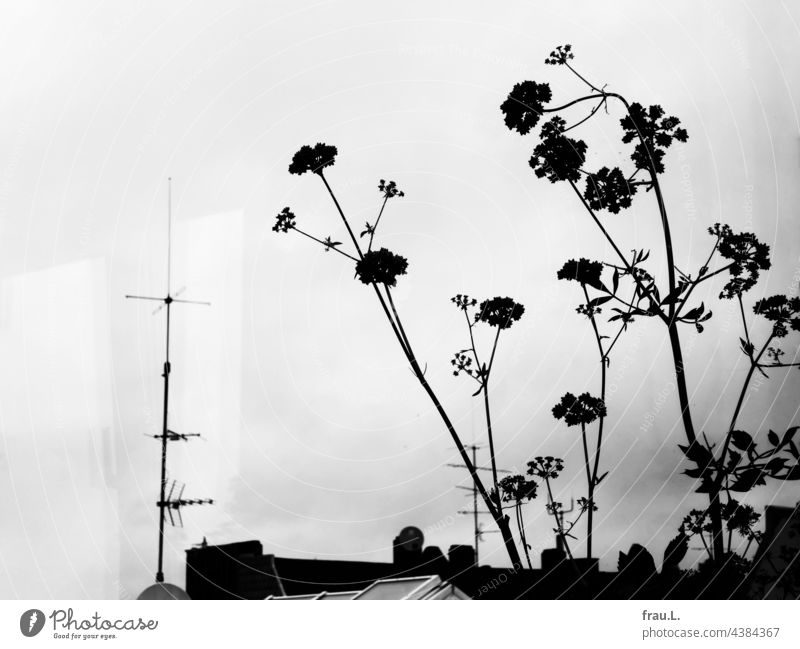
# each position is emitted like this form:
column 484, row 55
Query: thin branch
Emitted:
column 653, row 302
column 587, row 118
column 697, row 282
column 744, row 322
column 582, row 78
column 341, row 213
column 768, row 365
column 375, row 227
column 327, row 246
column 739, row 402
column 699, row 279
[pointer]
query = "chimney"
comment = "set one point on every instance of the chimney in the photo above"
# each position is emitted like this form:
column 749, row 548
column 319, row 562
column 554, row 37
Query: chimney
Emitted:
column 462, row 557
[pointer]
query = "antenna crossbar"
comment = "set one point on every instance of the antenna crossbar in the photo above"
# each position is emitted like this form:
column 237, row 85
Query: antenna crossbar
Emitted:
column 166, row 503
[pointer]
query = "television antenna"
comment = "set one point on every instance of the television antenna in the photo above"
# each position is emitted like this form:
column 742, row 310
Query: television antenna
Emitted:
column 477, row 527
column 167, row 503
column 175, row 500
column 559, row 514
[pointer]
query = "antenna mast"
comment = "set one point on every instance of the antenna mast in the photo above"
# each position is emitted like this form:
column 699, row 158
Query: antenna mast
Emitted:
column 477, row 527
column 168, row 504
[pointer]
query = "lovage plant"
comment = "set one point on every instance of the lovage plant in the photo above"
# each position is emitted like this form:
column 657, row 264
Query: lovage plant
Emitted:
column 736, row 461
column 380, row 269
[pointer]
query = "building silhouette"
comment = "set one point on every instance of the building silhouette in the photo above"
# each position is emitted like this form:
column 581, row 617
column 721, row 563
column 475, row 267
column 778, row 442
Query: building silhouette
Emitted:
column 242, row 571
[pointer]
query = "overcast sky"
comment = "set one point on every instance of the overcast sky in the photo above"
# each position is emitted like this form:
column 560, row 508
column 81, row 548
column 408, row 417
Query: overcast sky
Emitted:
column 317, row 439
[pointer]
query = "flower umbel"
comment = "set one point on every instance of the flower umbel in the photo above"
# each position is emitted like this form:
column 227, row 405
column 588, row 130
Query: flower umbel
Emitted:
column 462, row 363
column 608, row 189
column 389, row 189
column 546, row 468
column 381, row 266
column 313, row 159
column 782, row 311
column 524, row 105
column 463, row 302
column 285, row 220
column 654, row 134
column 515, row 488
column 499, row 312
column 747, row 254
column 557, row 157
column 579, row 410
column 583, row 271
column 560, row 55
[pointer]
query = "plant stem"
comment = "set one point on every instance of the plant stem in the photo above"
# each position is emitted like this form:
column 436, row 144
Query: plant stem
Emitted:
column 737, row 410
column 653, row 302
column 592, row 479
column 523, row 539
column 375, row 227
column 590, row 486
column 489, row 418
column 559, row 522
column 397, row 328
column 327, row 247
column 341, row 213
column 562, row 535
column 744, row 322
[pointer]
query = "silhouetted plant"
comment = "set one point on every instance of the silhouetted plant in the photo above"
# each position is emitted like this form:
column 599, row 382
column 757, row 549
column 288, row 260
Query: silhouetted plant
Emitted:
column 381, row 269
column 500, row 313
column 517, row 490
column 738, row 518
column 719, row 468
column 546, row 469
column 586, row 409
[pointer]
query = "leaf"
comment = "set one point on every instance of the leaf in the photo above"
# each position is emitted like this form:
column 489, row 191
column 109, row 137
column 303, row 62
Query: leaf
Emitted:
column 794, row 473
column 694, row 313
column 615, row 280
column 704, row 488
column 654, row 290
column 787, row 436
column 775, row 465
column 697, row 453
column 675, row 294
column 772, row 436
column 675, row 551
column 747, row 480
column 598, row 301
column 693, row 473
column 742, row 440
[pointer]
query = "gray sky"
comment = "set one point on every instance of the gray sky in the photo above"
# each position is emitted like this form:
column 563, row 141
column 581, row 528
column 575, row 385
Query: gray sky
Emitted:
column 318, row 441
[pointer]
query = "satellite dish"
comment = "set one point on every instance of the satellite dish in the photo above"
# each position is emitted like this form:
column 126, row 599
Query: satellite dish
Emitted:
column 411, row 539
column 160, row 590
